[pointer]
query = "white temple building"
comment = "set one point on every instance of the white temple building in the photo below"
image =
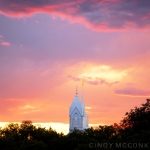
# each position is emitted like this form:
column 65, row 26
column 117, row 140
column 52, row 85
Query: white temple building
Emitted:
column 77, row 114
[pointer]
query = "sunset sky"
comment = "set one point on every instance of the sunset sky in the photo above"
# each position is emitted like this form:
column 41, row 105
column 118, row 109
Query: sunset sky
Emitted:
column 47, row 47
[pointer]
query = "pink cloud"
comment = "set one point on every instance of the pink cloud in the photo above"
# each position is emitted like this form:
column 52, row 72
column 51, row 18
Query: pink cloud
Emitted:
column 131, row 91
column 74, row 78
column 105, row 15
column 146, row 17
column 4, row 43
column 91, row 81
column 100, row 81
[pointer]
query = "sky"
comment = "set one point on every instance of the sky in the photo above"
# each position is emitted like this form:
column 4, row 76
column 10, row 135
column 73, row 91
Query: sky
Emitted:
column 47, row 48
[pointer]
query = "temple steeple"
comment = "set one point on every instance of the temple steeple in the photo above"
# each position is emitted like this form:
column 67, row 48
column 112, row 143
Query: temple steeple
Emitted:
column 77, row 114
column 83, row 105
column 76, row 90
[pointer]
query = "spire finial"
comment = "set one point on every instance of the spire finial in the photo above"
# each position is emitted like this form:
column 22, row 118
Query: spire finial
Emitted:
column 82, row 84
column 83, row 97
column 76, row 90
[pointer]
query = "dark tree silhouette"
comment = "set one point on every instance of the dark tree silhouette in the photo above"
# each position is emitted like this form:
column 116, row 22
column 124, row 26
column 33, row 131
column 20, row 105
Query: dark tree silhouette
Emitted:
column 138, row 119
column 134, row 128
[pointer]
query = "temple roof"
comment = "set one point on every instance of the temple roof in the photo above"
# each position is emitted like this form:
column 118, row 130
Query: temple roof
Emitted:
column 76, row 104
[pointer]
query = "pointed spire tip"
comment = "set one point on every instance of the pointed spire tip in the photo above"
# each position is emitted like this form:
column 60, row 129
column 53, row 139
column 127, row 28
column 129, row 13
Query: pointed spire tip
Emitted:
column 76, row 90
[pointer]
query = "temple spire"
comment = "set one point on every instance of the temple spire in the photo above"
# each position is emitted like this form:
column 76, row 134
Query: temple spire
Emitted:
column 77, row 115
column 76, row 90
column 83, row 96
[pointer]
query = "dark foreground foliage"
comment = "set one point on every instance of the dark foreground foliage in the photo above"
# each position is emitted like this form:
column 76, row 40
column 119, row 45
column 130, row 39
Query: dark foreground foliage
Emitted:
column 133, row 132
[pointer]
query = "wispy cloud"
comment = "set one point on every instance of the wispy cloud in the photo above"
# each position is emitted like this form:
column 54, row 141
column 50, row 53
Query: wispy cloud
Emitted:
column 27, row 107
column 88, row 107
column 132, row 91
column 93, row 81
column 4, row 43
column 74, row 78
column 99, row 81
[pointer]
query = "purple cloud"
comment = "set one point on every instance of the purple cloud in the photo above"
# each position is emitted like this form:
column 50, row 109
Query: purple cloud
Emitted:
column 98, row 15
column 96, row 81
column 74, row 78
column 131, row 91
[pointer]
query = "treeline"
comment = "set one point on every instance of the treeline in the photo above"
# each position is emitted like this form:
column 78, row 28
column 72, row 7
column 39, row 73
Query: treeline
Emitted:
column 133, row 132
